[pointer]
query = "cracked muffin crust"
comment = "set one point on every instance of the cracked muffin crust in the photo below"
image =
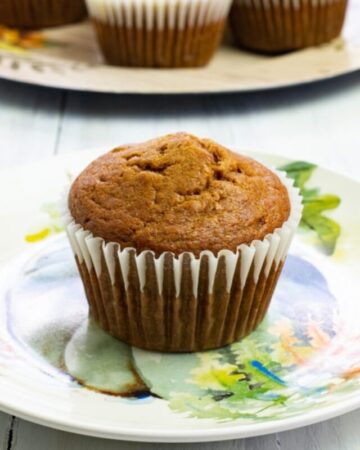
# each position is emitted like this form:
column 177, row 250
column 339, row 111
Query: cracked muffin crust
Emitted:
column 179, row 194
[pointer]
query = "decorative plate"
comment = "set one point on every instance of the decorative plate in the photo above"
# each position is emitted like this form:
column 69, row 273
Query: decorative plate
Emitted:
column 57, row 368
column 68, row 57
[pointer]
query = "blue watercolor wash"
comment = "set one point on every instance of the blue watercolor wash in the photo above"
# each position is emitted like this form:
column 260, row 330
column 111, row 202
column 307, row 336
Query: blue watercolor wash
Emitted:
column 303, row 294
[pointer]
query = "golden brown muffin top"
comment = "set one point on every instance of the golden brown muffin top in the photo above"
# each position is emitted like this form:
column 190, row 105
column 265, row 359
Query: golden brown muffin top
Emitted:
column 178, row 193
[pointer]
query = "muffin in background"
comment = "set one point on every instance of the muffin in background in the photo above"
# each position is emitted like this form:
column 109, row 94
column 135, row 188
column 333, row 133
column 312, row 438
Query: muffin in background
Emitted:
column 277, row 26
column 180, row 242
column 33, row 14
column 159, row 33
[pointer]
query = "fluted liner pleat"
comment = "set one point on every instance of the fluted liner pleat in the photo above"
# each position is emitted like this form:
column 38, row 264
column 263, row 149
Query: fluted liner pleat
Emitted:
column 276, row 26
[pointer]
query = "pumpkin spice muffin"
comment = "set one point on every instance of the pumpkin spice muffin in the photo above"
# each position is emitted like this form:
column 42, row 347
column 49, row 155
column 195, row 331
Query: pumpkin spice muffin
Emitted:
column 40, row 13
column 178, row 194
column 159, row 33
column 179, row 241
column 277, row 26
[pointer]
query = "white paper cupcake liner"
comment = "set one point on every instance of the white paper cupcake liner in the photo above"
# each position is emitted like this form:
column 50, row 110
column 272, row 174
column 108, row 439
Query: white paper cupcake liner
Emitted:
column 181, row 303
column 159, row 33
column 156, row 14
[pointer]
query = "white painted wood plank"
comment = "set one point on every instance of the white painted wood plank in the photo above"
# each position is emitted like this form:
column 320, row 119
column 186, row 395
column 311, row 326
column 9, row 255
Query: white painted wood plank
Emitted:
column 100, row 120
column 311, row 122
column 337, row 434
column 341, row 433
column 55, row 440
column 30, row 118
column 6, row 423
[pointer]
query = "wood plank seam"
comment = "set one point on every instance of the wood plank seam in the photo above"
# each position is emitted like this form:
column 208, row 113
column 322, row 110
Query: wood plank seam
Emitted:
column 277, row 441
column 10, row 433
column 62, row 110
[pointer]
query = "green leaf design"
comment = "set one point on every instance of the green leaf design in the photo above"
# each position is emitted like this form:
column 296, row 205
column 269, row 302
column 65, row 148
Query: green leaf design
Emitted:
column 315, row 204
column 300, row 171
column 327, row 229
column 309, row 193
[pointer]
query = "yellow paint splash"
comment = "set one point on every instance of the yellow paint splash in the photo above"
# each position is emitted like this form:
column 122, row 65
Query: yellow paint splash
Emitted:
column 39, row 236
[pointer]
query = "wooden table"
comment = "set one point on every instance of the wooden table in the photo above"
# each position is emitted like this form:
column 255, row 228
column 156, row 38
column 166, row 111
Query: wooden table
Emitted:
column 319, row 122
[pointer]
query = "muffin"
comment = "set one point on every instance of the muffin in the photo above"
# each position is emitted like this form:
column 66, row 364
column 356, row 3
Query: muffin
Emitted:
column 159, row 33
column 40, row 13
column 276, row 26
column 180, row 242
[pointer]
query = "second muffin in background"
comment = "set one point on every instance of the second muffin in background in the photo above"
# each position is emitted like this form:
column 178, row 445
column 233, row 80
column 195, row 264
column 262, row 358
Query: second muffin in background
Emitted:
column 159, row 33
column 180, row 242
column 34, row 14
column 277, row 26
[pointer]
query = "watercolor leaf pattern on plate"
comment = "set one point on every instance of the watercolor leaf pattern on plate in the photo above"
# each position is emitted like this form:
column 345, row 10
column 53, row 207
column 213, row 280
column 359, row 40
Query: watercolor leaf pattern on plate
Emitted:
column 315, row 204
